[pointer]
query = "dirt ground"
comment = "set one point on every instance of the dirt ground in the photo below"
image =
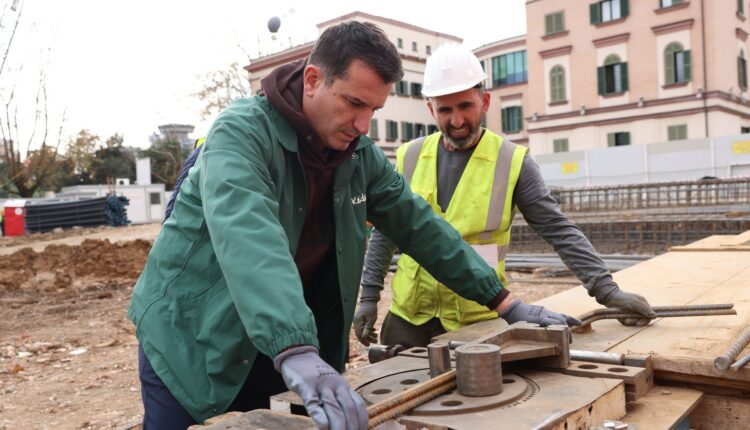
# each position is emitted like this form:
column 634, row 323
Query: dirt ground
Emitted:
column 68, row 354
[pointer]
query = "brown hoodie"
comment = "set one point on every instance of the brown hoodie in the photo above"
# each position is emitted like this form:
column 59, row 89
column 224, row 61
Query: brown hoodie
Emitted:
column 315, row 258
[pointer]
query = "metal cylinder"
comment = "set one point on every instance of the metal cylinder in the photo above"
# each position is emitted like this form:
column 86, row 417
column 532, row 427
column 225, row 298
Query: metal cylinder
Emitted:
column 439, row 357
column 479, row 370
column 596, row 357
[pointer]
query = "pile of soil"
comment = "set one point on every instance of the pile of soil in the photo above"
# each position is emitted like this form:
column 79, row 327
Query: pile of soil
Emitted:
column 62, row 267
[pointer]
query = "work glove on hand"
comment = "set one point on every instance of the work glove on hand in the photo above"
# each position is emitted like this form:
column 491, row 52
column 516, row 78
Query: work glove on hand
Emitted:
column 611, row 296
column 520, row 311
column 366, row 315
column 328, row 398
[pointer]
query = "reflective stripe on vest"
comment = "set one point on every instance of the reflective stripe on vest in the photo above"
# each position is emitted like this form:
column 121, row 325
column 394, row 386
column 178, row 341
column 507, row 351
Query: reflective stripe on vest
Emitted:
column 499, row 183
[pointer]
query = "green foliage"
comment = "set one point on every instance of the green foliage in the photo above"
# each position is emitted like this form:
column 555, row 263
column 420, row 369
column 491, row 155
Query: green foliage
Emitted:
column 167, row 158
column 113, row 160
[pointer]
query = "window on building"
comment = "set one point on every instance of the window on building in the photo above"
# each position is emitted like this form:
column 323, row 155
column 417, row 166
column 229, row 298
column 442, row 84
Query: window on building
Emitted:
column 414, row 46
column 401, row 88
column 428, row 50
column 668, row 3
column 416, row 89
column 618, row 139
column 608, row 10
column 612, row 77
column 400, row 42
column 391, row 130
column 374, row 129
column 560, row 145
column 512, row 119
column 677, row 132
column 741, row 7
column 557, row 84
column 744, row 130
column 419, row 130
column 676, row 64
column 407, row 131
column 742, row 70
column 509, row 69
column 155, row 198
column 554, row 23
column 431, row 128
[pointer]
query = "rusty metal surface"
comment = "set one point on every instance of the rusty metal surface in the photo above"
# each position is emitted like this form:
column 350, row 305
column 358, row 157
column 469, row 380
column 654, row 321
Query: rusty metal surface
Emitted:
column 514, row 389
column 558, row 398
column 479, row 371
column 439, row 358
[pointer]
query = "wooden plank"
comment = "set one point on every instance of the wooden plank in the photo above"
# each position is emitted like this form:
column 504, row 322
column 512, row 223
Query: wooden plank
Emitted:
column 689, row 345
column 662, row 408
column 670, row 279
column 258, row 419
column 721, row 412
column 738, row 242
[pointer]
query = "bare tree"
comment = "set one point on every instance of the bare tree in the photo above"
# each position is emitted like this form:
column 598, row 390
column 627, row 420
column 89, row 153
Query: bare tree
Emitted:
column 21, row 176
column 221, row 88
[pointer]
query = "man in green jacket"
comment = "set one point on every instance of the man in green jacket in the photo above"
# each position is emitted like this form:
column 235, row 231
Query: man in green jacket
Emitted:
column 250, row 287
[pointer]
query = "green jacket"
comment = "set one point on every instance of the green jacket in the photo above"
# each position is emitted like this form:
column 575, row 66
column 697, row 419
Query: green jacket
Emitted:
column 220, row 283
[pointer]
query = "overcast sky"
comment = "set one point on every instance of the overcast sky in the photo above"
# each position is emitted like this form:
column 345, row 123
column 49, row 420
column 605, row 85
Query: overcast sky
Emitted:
column 129, row 66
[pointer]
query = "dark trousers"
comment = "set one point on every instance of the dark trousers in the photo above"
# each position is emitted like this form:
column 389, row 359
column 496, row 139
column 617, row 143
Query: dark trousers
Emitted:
column 398, row 331
column 163, row 412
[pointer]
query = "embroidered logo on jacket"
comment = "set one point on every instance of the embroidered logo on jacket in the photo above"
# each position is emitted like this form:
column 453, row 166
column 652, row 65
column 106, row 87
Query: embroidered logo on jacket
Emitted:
column 359, row 199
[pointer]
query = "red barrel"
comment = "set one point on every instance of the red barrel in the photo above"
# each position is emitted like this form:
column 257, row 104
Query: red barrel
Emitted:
column 15, row 218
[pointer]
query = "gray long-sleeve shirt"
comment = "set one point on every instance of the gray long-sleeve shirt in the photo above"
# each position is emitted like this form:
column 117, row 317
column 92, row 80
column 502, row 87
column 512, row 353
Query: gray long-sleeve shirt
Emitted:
column 539, row 209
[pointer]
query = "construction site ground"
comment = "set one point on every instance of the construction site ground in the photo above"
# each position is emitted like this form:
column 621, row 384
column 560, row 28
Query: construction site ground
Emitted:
column 68, row 353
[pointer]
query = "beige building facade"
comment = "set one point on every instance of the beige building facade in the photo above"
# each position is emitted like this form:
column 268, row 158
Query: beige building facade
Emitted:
column 405, row 115
column 619, row 72
column 587, row 75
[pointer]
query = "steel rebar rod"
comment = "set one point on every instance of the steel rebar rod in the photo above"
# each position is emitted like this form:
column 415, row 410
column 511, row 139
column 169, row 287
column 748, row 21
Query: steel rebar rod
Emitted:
column 739, row 364
column 723, row 362
column 621, row 315
column 609, row 311
column 411, row 398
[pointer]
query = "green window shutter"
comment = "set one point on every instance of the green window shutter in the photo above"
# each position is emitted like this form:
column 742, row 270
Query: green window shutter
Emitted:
column 742, row 72
column 595, row 13
column 669, row 67
column 601, row 80
column 624, row 75
column 548, row 24
column 626, row 138
column 504, row 120
column 610, row 139
column 624, row 8
column 519, row 119
column 374, row 129
column 687, row 68
column 671, row 133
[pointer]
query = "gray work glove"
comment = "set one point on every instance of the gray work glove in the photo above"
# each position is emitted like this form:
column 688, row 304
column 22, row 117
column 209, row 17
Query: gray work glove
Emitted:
column 366, row 315
column 611, row 296
column 520, row 311
column 328, row 398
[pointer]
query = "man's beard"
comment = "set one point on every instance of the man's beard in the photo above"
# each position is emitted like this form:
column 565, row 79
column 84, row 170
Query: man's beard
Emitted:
column 475, row 130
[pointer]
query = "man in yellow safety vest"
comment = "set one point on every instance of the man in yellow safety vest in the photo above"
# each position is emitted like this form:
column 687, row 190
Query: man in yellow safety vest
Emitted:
column 475, row 180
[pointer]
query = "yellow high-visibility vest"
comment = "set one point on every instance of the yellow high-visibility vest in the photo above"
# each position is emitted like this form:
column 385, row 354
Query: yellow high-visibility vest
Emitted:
column 481, row 209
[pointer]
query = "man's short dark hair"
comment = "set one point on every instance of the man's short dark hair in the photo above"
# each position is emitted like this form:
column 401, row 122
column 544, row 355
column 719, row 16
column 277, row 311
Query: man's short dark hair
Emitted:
column 354, row 40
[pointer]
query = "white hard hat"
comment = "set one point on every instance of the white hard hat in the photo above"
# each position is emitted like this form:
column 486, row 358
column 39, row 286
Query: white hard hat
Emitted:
column 451, row 69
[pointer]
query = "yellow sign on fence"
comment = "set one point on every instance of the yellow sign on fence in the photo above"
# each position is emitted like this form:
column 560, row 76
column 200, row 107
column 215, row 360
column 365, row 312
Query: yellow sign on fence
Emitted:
column 741, row 147
column 571, row 167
